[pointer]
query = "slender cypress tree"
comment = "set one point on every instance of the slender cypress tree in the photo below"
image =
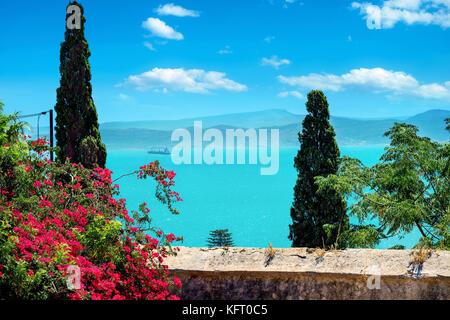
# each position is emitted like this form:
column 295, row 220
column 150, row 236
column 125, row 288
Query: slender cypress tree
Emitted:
column 317, row 218
column 220, row 238
column 76, row 131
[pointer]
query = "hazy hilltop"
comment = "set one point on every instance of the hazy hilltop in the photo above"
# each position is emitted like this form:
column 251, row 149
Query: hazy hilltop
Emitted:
column 431, row 124
column 349, row 131
column 259, row 119
column 144, row 134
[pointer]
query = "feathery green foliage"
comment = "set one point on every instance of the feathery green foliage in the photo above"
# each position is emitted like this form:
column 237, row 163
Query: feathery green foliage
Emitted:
column 220, row 238
column 14, row 148
column 409, row 188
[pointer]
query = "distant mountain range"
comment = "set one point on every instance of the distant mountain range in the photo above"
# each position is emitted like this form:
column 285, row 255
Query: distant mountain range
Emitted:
column 349, row 131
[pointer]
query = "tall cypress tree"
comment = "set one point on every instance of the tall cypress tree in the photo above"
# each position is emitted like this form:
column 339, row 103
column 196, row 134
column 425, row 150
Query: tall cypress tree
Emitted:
column 317, row 217
column 76, row 131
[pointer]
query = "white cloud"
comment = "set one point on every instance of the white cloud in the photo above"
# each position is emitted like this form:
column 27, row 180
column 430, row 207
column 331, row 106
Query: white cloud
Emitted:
column 322, row 82
column 376, row 79
column 274, row 61
column 225, row 51
column 403, row 4
column 269, row 39
column 161, row 29
column 434, row 90
column 124, row 97
column 390, row 12
column 179, row 79
column 289, row 2
column 172, row 10
column 149, row 46
column 295, row 94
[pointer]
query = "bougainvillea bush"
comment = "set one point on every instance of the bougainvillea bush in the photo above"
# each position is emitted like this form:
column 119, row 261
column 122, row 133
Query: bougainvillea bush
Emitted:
column 65, row 235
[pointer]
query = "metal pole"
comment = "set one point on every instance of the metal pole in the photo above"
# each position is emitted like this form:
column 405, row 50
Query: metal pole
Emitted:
column 51, row 134
column 39, row 117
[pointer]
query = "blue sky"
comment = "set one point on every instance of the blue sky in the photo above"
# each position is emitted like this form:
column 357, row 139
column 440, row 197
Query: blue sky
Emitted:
column 178, row 59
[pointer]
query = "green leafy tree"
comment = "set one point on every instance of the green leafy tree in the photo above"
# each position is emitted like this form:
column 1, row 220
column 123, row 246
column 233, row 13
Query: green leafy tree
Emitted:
column 409, row 188
column 76, row 132
column 12, row 146
column 319, row 218
column 220, row 238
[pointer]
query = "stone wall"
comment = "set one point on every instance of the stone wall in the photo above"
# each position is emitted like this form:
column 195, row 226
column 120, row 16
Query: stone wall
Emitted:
column 300, row 273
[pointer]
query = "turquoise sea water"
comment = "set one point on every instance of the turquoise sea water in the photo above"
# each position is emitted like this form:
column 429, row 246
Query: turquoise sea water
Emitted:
column 253, row 207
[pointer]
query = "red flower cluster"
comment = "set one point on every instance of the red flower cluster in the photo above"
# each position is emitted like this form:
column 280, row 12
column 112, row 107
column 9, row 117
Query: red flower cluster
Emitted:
column 64, row 215
column 163, row 177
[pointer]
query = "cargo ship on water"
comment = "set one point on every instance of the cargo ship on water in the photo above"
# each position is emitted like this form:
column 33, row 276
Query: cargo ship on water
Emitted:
column 159, row 150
